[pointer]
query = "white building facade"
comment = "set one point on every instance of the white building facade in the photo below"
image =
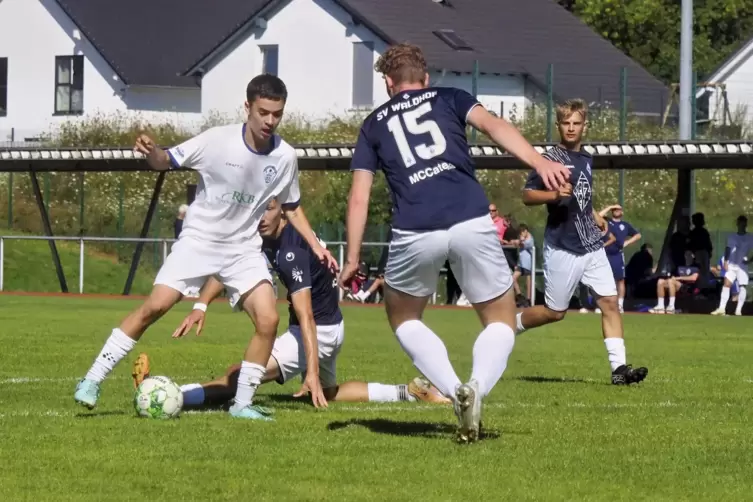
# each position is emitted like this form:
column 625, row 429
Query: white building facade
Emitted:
column 328, row 68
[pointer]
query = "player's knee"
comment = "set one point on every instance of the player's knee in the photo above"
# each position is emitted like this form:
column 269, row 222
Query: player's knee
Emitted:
column 153, row 309
column 266, row 322
column 608, row 305
column 555, row 315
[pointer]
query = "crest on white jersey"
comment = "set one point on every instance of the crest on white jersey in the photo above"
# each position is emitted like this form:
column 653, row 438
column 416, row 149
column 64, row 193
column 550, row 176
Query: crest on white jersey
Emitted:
column 269, row 174
column 290, row 256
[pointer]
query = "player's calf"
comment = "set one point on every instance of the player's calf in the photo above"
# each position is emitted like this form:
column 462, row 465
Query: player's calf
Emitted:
column 538, row 315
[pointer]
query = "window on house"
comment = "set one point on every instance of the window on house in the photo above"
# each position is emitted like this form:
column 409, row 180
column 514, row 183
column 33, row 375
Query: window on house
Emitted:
column 453, row 40
column 69, row 85
column 3, row 87
column 363, row 74
column 269, row 59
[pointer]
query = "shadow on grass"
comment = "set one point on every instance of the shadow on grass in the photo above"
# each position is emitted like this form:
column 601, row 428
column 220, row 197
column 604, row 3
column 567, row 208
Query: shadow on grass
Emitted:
column 415, row 429
column 100, row 414
column 541, row 379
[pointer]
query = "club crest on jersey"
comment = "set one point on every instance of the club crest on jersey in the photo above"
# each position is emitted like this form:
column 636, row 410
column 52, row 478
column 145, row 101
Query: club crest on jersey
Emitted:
column 290, row 256
column 582, row 191
column 269, row 174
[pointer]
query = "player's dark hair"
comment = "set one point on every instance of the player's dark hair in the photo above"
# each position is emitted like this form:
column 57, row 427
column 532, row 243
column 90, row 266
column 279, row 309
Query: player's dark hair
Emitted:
column 742, row 218
column 522, row 226
column 266, row 86
column 403, row 63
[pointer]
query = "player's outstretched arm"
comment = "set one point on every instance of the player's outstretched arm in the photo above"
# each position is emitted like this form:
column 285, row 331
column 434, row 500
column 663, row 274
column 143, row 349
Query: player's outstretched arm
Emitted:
column 211, row 290
column 537, row 197
column 304, row 311
column 553, row 174
column 358, row 211
column 298, row 219
column 604, row 212
column 157, row 158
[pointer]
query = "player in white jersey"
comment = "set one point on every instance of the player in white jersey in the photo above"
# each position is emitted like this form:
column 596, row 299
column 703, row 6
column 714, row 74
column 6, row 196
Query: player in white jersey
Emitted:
column 241, row 167
column 573, row 244
column 737, row 254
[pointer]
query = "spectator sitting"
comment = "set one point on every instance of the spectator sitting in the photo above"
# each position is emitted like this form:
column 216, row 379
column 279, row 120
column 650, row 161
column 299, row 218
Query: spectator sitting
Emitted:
column 699, row 243
column 678, row 244
column 358, row 282
column 683, row 283
column 499, row 222
column 639, row 272
column 511, row 242
column 178, row 223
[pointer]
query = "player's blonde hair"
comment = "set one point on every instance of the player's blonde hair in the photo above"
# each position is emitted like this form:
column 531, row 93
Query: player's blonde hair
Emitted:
column 571, row 106
column 403, row 63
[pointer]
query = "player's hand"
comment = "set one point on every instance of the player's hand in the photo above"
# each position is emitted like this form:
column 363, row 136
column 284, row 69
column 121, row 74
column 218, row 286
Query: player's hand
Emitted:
column 349, row 271
column 553, row 174
column 565, row 191
column 326, row 258
column 313, row 386
column 145, row 145
column 196, row 317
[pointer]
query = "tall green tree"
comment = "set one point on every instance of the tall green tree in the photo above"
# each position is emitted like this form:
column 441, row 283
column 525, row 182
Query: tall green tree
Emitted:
column 649, row 30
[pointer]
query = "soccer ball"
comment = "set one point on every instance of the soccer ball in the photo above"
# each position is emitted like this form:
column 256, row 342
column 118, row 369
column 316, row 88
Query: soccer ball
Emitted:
column 158, row 397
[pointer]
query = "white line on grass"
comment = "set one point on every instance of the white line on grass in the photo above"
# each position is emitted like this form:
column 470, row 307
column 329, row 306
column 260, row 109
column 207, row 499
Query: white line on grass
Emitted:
column 406, row 408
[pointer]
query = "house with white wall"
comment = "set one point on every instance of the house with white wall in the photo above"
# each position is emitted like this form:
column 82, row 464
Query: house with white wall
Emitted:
column 726, row 94
column 186, row 60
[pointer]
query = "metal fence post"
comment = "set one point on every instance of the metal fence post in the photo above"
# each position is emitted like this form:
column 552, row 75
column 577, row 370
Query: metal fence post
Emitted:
column 164, row 251
column 2, row 261
column 341, row 253
column 533, row 276
column 81, row 265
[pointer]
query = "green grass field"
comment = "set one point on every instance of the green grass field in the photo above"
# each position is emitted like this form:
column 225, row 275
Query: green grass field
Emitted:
column 557, row 429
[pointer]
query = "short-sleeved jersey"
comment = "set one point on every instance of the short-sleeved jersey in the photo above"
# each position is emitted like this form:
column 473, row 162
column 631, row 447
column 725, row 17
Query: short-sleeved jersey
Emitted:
column 418, row 139
column 622, row 231
column 740, row 246
column 299, row 268
column 570, row 224
column 687, row 271
column 235, row 183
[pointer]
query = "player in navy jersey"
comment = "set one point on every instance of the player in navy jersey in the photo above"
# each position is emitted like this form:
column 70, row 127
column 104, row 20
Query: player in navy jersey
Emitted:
column 625, row 235
column 573, row 247
column 314, row 337
column 440, row 212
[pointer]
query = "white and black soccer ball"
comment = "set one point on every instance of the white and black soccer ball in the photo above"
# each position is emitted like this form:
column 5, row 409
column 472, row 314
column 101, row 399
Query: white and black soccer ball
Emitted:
column 158, row 397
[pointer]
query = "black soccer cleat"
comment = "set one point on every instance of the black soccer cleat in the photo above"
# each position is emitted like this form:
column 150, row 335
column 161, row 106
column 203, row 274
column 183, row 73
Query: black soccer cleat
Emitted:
column 626, row 374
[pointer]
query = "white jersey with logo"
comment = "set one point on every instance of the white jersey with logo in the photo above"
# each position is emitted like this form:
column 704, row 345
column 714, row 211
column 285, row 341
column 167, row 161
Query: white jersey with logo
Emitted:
column 236, row 184
column 740, row 247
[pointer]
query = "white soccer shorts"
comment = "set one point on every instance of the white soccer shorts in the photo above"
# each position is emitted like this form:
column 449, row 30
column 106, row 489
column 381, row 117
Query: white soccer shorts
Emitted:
column 737, row 273
column 474, row 252
column 191, row 262
column 290, row 354
column 563, row 271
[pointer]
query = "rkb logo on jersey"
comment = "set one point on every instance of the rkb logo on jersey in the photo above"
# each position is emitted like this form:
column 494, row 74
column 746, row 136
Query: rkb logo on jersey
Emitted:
column 582, row 191
column 269, row 174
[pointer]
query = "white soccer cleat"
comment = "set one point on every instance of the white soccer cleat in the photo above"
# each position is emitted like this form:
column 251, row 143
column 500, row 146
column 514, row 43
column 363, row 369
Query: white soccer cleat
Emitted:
column 657, row 310
column 597, row 311
column 584, row 311
column 468, row 411
column 719, row 312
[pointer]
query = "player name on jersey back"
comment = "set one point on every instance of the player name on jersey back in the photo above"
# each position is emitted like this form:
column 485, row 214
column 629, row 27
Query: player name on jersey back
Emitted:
column 418, row 139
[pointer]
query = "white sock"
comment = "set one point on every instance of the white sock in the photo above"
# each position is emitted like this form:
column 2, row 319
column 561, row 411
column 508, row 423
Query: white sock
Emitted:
column 490, row 352
column 671, row 302
column 249, row 380
column 380, row 393
column 741, row 299
column 616, row 352
column 725, row 298
column 620, row 302
column 193, row 394
column 519, row 323
column 116, row 348
column 659, row 303
column 429, row 355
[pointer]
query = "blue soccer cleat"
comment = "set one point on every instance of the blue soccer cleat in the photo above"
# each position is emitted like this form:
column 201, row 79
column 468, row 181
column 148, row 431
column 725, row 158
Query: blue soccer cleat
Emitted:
column 87, row 393
column 251, row 412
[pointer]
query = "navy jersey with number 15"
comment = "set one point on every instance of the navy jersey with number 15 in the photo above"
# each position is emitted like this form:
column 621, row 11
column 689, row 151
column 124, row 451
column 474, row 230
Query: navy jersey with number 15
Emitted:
column 418, row 139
